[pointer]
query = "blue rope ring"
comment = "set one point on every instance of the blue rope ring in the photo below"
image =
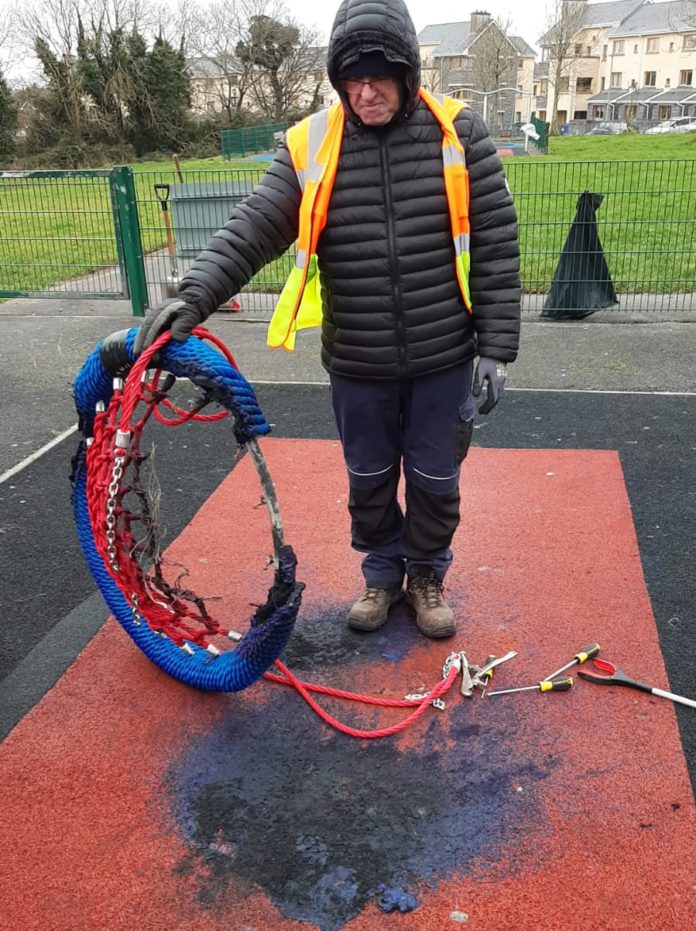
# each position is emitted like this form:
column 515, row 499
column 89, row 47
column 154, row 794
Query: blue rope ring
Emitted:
column 273, row 622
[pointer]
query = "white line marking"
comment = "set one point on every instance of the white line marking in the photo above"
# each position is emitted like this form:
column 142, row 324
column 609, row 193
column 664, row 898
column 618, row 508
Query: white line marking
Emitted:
column 37, row 455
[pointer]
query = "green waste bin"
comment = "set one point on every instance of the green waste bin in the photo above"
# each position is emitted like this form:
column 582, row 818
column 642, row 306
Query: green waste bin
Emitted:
column 201, row 208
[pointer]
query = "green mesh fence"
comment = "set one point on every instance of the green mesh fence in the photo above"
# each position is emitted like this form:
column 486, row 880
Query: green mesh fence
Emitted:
column 76, row 233
column 250, row 139
column 58, row 234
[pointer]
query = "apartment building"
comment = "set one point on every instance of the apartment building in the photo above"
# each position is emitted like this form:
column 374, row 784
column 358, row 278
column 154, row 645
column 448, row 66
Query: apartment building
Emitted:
column 630, row 62
column 582, row 72
column 649, row 72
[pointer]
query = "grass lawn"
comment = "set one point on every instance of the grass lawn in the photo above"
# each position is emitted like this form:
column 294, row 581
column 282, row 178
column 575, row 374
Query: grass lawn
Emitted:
column 60, row 229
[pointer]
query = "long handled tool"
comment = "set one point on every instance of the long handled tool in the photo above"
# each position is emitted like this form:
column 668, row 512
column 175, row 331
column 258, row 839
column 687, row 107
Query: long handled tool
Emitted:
column 616, row 677
column 558, row 685
column 171, row 284
column 588, row 653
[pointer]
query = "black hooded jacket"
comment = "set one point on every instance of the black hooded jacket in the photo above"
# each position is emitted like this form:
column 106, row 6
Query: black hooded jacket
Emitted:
column 391, row 301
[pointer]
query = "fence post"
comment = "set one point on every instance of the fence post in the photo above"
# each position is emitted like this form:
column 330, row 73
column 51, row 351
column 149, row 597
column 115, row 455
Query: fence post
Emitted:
column 128, row 228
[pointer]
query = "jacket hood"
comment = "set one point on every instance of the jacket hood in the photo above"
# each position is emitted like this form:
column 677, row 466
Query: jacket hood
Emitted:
column 363, row 26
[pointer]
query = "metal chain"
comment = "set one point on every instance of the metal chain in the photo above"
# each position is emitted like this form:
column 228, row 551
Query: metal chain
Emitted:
column 111, row 502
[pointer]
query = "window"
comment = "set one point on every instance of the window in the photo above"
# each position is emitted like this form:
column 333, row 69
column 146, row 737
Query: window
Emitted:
column 210, row 107
column 686, row 78
column 520, row 87
column 604, row 84
column 650, row 79
column 583, row 85
column 630, row 112
column 664, row 113
column 605, row 49
column 588, row 50
column 668, row 82
column 518, row 116
column 618, row 47
column 578, row 49
column 580, row 115
column 535, row 91
column 652, row 45
column 671, row 46
column 616, row 78
column 318, row 76
column 689, row 42
column 635, row 49
column 598, row 113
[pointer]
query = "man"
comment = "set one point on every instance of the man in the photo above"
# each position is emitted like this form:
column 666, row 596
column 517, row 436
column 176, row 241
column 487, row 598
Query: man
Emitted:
column 408, row 257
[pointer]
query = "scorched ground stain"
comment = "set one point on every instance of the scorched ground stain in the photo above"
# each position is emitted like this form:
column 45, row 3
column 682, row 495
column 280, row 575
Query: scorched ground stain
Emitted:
column 272, row 799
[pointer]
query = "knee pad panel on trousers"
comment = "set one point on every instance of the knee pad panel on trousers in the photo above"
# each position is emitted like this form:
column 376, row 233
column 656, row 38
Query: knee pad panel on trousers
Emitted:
column 430, row 519
column 376, row 515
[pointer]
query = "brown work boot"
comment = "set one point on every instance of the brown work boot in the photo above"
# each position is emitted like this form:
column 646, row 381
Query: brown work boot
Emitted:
column 434, row 617
column 371, row 609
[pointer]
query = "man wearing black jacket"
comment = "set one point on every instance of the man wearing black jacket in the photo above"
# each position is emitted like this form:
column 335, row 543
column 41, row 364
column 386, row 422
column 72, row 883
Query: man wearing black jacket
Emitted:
column 399, row 329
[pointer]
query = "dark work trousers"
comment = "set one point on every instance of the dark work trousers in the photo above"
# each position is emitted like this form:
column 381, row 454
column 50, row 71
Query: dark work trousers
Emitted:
column 423, row 425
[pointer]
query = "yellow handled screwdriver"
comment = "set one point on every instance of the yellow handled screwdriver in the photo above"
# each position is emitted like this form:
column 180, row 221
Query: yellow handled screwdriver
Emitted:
column 558, row 685
column 588, row 653
column 487, row 675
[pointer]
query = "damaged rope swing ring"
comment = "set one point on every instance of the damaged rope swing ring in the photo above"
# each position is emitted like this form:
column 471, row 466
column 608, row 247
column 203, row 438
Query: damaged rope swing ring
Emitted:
column 170, row 624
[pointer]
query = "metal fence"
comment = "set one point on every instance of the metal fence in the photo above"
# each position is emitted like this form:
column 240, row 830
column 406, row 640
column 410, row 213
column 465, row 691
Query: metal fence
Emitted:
column 646, row 223
column 235, row 143
column 59, row 235
column 135, row 233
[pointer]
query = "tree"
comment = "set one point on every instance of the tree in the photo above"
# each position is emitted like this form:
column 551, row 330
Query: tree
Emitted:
column 161, row 98
column 8, row 120
column 493, row 65
column 564, row 19
column 284, row 62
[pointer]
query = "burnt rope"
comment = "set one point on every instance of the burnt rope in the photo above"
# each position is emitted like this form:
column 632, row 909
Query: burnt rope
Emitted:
column 273, row 622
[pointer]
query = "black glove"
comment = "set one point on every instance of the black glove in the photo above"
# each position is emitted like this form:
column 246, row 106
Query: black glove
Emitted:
column 175, row 315
column 495, row 374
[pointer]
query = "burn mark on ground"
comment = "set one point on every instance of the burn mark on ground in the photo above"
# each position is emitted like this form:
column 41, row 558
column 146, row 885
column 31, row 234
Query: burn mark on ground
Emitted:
column 271, row 799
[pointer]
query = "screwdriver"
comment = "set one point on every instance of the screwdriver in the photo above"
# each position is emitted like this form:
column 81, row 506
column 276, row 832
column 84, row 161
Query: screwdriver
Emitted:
column 488, row 675
column 588, row 653
column 558, row 685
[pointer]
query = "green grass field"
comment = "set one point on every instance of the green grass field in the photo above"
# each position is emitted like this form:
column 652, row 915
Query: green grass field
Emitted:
column 62, row 228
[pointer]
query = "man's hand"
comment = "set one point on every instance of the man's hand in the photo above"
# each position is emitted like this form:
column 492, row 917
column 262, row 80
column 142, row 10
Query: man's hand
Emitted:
column 495, row 374
column 175, row 315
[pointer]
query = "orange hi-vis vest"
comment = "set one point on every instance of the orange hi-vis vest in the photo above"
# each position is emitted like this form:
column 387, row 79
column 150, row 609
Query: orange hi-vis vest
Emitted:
column 315, row 145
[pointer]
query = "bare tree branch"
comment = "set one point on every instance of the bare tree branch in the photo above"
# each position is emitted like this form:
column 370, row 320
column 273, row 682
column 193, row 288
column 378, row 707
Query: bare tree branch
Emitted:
column 564, row 19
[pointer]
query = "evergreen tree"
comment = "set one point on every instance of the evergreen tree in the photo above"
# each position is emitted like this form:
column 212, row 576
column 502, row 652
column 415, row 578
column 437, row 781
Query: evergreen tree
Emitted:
column 160, row 98
column 8, row 120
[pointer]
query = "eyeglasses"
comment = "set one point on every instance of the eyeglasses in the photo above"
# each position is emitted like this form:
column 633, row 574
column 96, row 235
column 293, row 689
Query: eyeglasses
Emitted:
column 356, row 85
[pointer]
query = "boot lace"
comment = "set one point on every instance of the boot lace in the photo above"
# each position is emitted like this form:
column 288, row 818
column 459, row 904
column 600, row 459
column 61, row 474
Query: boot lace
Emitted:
column 372, row 594
column 430, row 591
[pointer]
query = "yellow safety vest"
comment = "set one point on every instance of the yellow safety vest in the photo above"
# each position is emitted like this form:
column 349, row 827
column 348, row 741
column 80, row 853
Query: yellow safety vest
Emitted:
column 315, row 145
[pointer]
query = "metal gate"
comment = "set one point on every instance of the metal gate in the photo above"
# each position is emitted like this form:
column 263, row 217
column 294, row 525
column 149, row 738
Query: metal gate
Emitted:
column 67, row 234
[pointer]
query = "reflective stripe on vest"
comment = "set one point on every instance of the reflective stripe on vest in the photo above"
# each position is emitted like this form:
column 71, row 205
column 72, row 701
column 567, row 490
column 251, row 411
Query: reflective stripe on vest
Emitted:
column 314, row 146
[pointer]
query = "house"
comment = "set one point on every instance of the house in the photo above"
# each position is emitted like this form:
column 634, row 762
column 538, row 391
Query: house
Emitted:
column 475, row 60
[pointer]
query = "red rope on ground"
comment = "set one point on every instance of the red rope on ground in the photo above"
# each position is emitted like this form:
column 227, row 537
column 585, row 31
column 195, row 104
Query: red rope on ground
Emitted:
column 304, row 689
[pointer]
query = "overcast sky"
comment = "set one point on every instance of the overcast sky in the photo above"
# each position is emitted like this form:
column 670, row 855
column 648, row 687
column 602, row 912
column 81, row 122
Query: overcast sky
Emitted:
column 528, row 16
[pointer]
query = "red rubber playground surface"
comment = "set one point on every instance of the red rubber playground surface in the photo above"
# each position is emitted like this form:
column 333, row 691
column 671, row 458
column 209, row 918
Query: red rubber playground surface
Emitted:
column 133, row 802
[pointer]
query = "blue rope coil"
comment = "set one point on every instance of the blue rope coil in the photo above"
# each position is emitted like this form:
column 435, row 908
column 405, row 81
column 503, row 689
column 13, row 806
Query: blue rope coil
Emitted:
column 273, row 622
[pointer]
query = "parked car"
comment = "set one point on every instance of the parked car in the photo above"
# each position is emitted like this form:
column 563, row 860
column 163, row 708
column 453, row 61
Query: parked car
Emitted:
column 608, row 128
column 680, row 124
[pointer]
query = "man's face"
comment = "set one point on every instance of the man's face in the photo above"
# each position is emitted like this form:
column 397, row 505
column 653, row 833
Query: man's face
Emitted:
column 374, row 101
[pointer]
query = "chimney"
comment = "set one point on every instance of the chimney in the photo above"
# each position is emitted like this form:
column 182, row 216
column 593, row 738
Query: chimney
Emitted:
column 479, row 19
